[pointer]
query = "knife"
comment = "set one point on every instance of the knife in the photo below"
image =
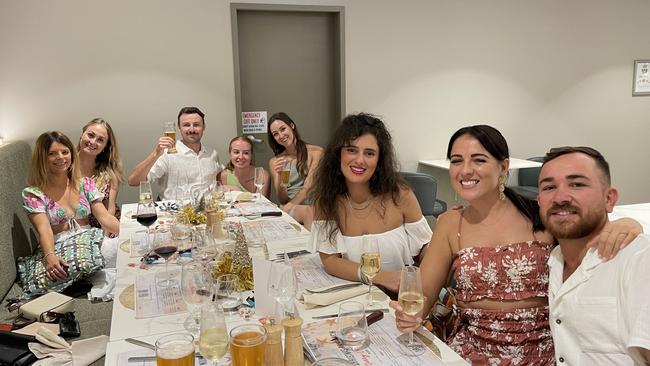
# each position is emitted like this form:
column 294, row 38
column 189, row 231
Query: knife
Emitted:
column 369, row 311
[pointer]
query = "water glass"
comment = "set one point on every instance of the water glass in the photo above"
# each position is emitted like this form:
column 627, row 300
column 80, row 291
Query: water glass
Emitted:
column 145, row 192
column 352, row 327
column 196, row 289
column 227, row 292
column 282, row 285
column 247, row 345
column 175, row 350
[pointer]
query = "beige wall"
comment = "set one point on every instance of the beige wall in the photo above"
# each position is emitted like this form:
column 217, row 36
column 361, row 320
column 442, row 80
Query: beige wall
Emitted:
column 545, row 73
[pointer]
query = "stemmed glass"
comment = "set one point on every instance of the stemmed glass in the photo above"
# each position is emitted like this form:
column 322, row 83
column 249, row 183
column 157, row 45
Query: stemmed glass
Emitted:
column 411, row 300
column 196, row 288
column 146, row 212
column 227, row 292
column 282, row 285
column 259, row 180
column 204, row 249
column 370, row 262
column 213, row 341
column 165, row 245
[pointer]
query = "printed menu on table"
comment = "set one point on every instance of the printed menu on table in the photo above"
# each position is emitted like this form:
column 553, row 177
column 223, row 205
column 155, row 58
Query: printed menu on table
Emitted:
column 152, row 300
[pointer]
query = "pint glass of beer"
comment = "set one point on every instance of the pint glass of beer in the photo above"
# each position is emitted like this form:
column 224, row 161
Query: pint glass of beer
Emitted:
column 247, row 343
column 175, row 350
column 170, row 131
column 284, row 173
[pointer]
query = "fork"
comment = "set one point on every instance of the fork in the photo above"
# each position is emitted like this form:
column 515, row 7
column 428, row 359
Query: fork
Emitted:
column 334, row 288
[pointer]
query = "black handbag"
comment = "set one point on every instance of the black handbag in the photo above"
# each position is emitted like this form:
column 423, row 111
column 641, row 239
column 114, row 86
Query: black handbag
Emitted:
column 14, row 351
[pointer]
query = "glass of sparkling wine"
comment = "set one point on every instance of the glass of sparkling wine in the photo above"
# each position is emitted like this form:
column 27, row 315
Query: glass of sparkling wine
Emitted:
column 259, row 180
column 170, row 131
column 411, row 300
column 175, row 350
column 370, row 262
column 213, row 342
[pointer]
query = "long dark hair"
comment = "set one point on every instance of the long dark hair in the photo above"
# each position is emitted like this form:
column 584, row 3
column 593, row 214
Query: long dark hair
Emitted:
column 493, row 141
column 301, row 146
column 329, row 183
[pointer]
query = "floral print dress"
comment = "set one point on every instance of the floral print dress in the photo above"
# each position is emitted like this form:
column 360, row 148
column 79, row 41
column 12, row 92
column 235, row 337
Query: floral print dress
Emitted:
column 503, row 337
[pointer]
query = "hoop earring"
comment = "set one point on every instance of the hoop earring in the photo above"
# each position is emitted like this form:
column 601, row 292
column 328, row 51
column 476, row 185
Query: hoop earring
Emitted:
column 502, row 188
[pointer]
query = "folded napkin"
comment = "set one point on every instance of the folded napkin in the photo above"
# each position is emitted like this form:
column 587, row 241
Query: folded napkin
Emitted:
column 328, row 298
column 55, row 351
column 244, row 197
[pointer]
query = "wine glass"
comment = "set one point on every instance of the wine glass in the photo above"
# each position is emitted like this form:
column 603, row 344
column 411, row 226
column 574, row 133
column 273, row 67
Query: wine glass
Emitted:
column 165, row 245
column 145, row 192
column 146, row 216
column 213, row 341
column 259, row 180
column 227, row 293
column 411, row 300
column 370, row 262
column 196, row 288
column 282, row 285
column 204, row 249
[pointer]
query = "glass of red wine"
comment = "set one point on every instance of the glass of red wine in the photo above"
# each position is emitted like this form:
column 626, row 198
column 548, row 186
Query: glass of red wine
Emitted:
column 146, row 216
column 165, row 246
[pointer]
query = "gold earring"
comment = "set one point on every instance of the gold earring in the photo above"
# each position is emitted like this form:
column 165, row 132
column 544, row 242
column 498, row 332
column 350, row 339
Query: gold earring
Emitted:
column 502, row 187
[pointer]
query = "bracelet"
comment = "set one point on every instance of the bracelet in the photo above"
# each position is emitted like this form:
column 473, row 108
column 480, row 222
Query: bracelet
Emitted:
column 46, row 255
column 362, row 277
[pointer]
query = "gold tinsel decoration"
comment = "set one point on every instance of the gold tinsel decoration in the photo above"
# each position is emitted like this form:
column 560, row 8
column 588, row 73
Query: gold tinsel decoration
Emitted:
column 237, row 262
column 189, row 216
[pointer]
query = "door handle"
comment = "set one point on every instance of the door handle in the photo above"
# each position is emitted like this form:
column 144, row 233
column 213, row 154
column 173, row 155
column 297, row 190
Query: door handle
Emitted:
column 255, row 139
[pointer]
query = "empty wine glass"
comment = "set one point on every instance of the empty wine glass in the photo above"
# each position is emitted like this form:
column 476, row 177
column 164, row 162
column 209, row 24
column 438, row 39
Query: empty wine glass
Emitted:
column 282, row 285
column 196, row 288
column 204, row 248
column 259, row 180
column 213, row 341
column 411, row 300
column 165, row 246
column 227, row 292
column 370, row 262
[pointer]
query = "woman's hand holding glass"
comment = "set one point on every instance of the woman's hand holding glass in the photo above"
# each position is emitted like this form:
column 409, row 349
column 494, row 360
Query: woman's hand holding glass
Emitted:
column 411, row 301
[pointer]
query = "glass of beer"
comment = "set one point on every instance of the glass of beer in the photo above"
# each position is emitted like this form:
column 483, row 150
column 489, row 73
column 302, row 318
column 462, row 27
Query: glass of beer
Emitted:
column 284, row 173
column 170, row 131
column 247, row 344
column 175, row 350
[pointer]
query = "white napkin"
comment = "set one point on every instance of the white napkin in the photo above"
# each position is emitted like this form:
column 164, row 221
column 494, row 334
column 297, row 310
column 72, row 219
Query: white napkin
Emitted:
column 328, row 298
column 103, row 284
column 55, row 351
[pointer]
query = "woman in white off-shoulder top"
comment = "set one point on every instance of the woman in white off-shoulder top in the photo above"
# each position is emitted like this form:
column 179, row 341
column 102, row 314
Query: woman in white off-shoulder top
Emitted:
column 358, row 192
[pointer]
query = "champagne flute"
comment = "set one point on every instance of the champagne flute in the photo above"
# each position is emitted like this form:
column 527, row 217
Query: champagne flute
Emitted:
column 165, row 246
column 213, row 341
column 282, row 285
column 145, row 192
column 196, row 289
column 411, row 300
column 370, row 262
column 259, row 180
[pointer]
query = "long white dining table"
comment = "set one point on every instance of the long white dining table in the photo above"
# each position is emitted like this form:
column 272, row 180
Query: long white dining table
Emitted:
column 124, row 324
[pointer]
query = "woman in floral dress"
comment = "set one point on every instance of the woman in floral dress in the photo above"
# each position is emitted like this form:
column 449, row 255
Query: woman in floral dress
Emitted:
column 58, row 200
column 497, row 249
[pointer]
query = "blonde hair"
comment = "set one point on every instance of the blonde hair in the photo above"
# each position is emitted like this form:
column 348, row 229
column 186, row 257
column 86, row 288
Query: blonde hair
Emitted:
column 108, row 163
column 230, row 166
column 39, row 174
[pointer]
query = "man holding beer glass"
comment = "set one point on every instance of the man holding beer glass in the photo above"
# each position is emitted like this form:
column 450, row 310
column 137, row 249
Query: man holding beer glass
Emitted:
column 187, row 163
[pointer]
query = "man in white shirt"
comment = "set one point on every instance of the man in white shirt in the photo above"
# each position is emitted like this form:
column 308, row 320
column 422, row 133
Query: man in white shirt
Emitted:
column 599, row 311
column 193, row 168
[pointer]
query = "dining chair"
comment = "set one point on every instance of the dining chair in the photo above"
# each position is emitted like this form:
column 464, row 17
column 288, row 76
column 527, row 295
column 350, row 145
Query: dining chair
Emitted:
column 425, row 188
column 527, row 180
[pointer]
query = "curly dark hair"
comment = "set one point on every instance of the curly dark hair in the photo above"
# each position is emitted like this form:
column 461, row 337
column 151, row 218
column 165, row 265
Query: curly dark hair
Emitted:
column 301, row 146
column 329, row 183
column 493, row 141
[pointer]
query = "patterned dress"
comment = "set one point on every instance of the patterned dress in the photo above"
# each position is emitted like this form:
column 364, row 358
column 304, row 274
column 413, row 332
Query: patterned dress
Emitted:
column 104, row 187
column 503, row 337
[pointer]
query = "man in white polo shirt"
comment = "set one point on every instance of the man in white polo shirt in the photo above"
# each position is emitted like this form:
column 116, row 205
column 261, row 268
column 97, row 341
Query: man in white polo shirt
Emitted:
column 194, row 166
column 599, row 311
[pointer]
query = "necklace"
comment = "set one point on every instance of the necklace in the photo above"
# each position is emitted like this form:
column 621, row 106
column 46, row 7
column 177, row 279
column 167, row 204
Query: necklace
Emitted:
column 360, row 206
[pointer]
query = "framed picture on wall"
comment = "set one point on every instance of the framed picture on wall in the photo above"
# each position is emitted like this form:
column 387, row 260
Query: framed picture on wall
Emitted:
column 641, row 78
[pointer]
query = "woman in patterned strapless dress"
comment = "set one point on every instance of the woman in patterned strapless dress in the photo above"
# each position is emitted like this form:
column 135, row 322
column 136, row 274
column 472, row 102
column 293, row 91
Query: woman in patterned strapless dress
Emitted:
column 497, row 249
